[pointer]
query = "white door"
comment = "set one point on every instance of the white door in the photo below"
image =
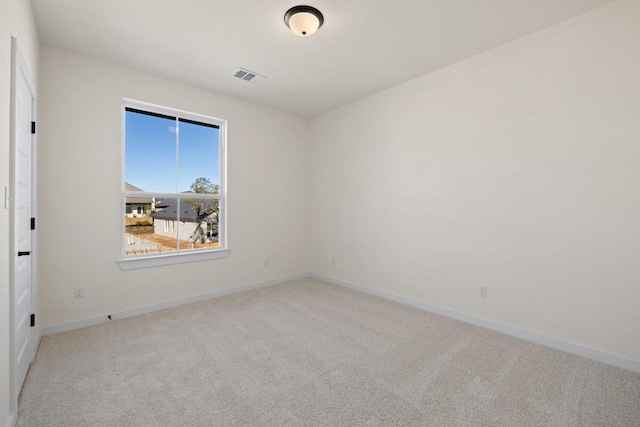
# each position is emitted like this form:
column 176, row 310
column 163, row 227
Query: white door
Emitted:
column 21, row 223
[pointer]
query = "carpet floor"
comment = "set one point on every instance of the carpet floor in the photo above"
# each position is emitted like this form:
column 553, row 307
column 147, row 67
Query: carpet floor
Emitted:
column 308, row 353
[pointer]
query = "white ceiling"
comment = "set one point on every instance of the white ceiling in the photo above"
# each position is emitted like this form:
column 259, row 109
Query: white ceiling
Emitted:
column 364, row 46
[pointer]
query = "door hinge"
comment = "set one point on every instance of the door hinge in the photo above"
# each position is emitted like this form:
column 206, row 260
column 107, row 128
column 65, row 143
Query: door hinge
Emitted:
column 33, row 320
column 33, row 223
column 33, row 127
column 23, row 253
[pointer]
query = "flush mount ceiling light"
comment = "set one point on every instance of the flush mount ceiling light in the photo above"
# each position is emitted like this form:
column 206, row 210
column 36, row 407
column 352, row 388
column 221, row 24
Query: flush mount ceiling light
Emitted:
column 303, row 20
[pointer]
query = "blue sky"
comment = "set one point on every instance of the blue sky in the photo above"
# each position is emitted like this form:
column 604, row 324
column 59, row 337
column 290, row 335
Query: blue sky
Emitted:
column 150, row 158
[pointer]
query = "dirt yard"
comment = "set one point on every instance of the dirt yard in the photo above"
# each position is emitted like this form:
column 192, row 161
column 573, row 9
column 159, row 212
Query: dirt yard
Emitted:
column 153, row 243
column 171, row 242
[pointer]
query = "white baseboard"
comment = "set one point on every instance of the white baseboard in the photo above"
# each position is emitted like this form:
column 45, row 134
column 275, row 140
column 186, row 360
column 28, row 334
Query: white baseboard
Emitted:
column 556, row 343
column 82, row 323
column 12, row 420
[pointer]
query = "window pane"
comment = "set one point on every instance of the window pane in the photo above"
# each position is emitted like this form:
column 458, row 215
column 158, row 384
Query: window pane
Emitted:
column 171, row 163
column 150, row 152
column 141, row 229
column 199, row 158
column 198, row 223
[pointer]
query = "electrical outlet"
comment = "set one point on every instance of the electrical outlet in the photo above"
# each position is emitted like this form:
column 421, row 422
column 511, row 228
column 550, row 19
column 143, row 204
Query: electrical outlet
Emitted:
column 483, row 292
column 266, row 262
column 78, row 292
column 333, row 260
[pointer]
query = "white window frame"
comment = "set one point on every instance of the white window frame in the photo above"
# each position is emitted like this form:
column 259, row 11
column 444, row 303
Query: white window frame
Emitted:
column 128, row 262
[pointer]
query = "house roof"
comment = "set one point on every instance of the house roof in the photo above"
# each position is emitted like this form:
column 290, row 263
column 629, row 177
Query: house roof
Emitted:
column 169, row 210
column 137, row 200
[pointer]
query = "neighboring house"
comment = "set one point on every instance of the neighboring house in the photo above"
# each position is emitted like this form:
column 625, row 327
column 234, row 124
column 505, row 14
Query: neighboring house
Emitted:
column 165, row 220
column 138, row 207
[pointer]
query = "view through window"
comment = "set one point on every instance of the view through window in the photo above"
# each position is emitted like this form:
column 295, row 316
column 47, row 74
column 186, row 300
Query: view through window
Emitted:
column 172, row 195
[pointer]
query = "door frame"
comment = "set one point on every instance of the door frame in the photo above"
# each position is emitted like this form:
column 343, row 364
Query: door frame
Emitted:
column 19, row 66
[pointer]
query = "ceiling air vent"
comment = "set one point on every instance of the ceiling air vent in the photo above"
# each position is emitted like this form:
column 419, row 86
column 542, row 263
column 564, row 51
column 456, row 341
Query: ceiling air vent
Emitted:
column 250, row 76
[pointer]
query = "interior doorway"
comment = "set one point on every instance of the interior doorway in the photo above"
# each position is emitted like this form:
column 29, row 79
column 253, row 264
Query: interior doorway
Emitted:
column 21, row 201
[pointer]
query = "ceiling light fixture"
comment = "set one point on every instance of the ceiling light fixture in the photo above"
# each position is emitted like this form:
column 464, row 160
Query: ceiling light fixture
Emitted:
column 303, row 20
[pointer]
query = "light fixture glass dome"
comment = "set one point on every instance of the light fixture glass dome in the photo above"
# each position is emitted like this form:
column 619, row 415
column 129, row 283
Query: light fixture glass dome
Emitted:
column 303, row 20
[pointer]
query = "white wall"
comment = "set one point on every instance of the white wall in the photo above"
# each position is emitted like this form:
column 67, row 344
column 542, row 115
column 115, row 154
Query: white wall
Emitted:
column 517, row 169
column 80, row 161
column 16, row 20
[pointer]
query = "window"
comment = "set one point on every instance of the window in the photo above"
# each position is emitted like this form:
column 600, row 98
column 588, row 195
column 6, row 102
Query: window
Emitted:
column 174, row 169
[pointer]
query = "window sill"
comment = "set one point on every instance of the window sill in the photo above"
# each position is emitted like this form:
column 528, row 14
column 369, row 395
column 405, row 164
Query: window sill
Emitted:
column 144, row 261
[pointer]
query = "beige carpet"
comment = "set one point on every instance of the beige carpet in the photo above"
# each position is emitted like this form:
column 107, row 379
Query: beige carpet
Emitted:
column 307, row 353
